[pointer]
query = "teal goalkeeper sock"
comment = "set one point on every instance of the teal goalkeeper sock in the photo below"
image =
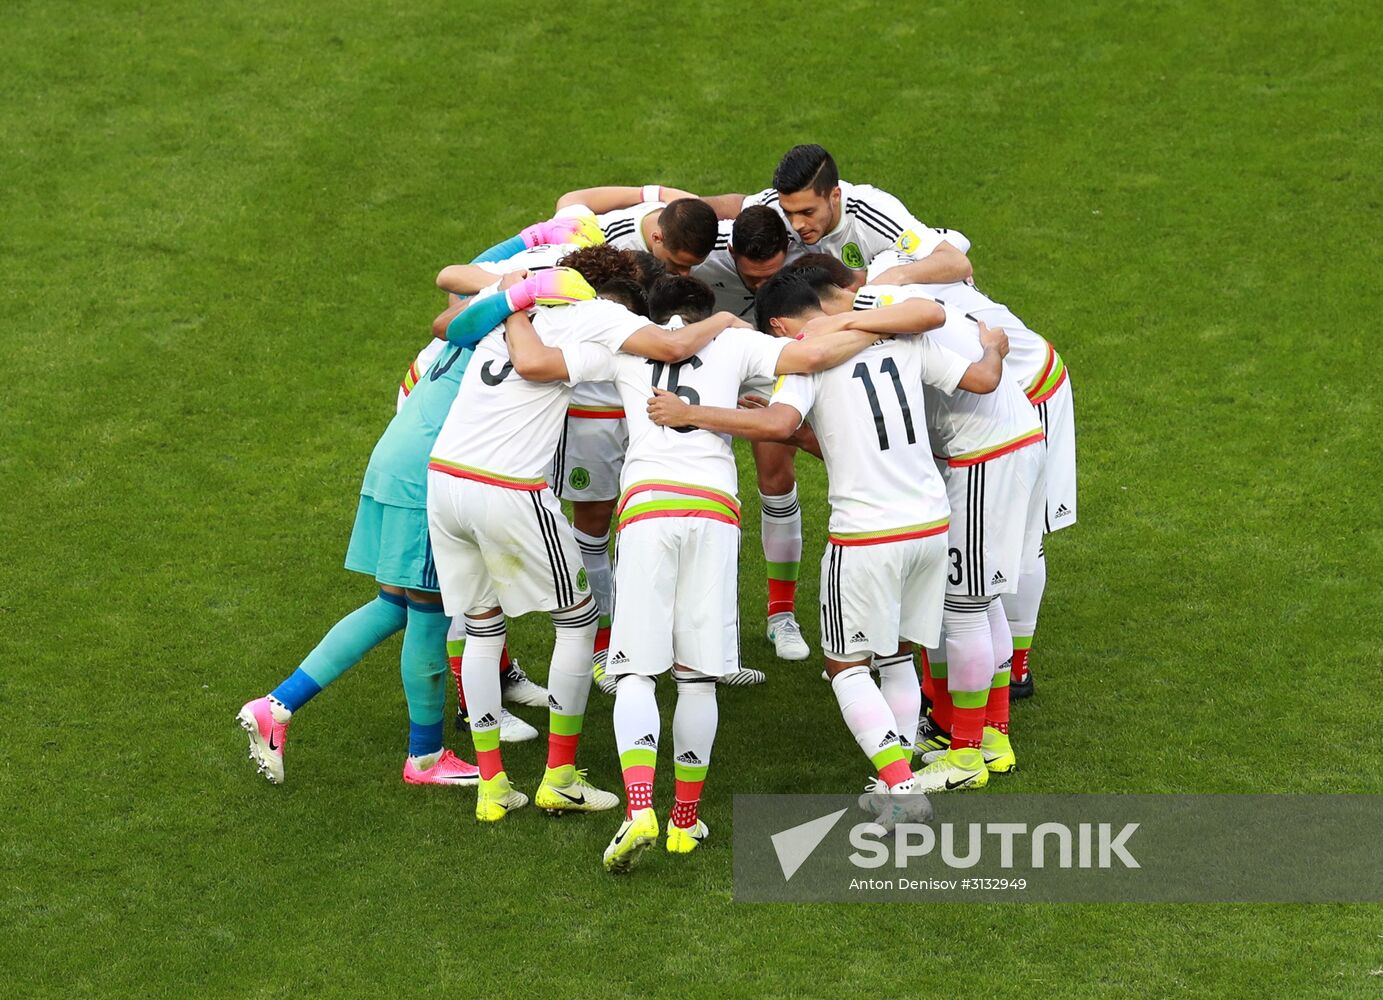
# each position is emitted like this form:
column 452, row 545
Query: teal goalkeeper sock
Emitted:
column 423, row 666
column 342, row 648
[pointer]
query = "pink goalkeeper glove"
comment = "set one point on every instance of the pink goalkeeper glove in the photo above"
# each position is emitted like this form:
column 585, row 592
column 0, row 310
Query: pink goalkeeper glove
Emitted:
column 559, row 286
column 578, row 230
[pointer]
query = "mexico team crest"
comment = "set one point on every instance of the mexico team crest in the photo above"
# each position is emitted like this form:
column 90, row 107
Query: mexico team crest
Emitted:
column 579, row 478
column 850, row 255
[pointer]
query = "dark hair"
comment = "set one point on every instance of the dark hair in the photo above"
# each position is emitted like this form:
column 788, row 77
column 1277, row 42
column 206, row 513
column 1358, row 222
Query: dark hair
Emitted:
column 759, row 234
column 650, row 268
column 784, row 294
column 599, row 264
column 626, row 292
column 834, row 272
column 805, row 167
column 679, row 295
column 689, row 225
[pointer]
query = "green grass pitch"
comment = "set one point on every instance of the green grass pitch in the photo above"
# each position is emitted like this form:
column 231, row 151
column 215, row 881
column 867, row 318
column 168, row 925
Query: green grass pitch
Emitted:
column 219, row 232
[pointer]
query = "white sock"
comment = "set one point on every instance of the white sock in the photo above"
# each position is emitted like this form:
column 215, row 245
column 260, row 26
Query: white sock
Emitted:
column 1021, row 608
column 780, row 532
column 865, row 712
column 636, row 713
column 595, row 556
column 480, row 671
column 969, row 647
column 1000, row 636
column 694, row 721
column 569, row 677
column 901, row 688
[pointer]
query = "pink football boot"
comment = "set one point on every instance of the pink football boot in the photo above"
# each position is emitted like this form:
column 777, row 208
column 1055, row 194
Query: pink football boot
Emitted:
column 267, row 737
column 449, row 770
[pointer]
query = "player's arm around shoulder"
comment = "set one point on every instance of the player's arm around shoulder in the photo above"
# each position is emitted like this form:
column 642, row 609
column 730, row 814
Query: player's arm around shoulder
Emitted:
column 983, row 376
column 828, row 341
column 944, row 264
column 777, row 422
column 531, row 358
column 877, row 311
column 612, row 198
column 671, row 346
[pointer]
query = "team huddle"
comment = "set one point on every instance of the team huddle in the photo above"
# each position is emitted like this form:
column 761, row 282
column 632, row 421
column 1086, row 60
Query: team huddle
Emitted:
column 607, row 357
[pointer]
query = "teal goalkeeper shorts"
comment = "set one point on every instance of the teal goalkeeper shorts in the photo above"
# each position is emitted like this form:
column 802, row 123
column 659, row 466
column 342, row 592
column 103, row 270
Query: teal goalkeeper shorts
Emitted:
column 391, row 545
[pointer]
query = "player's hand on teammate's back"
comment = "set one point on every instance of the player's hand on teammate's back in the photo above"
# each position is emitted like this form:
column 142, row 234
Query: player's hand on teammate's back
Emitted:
column 667, row 409
column 753, row 403
column 578, row 230
column 513, row 278
column 994, row 337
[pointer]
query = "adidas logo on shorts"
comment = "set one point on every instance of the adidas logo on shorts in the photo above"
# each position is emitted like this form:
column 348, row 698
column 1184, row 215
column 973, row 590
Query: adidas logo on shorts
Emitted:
column 1063, row 511
column 485, row 720
column 688, row 758
column 997, row 578
column 647, row 740
column 619, row 659
column 889, row 737
column 859, row 637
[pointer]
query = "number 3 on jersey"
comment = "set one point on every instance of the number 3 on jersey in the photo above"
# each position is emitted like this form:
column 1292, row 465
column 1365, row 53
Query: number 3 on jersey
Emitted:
column 686, row 392
column 890, row 368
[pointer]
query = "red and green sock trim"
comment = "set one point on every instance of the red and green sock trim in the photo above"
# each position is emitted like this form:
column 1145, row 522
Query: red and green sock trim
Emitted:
column 1022, row 646
column 782, row 587
column 690, row 781
column 934, row 687
column 638, row 765
column 892, row 765
column 487, row 753
column 563, row 737
column 996, row 708
column 967, row 718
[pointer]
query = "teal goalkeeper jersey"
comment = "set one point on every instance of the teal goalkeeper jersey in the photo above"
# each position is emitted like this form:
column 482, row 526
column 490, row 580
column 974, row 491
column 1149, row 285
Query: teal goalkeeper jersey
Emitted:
column 397, row 473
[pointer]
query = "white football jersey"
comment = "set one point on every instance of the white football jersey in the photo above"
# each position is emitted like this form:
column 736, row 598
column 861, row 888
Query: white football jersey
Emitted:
column 718, row 270
column 1029, row 355
column 871, row 222
column 868, row 415
column 623, row 228
column 589, row 396
column 503, row 429
column 711, row 377
column 965, row 427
